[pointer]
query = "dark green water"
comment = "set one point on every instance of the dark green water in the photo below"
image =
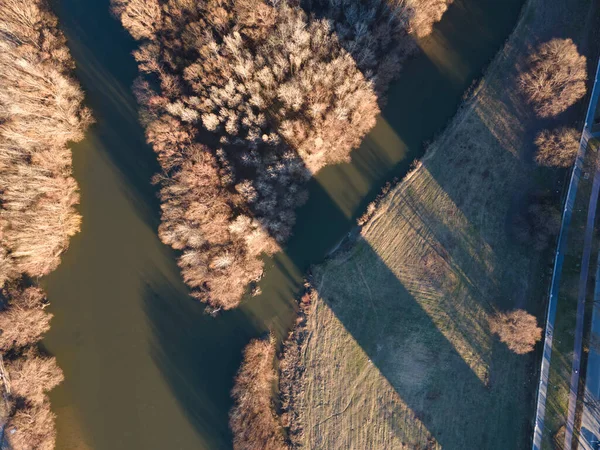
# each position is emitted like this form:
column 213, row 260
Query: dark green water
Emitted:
column 145, row 368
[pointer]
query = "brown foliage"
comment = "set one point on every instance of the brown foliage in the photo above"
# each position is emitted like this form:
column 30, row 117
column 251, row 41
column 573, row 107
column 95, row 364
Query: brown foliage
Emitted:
column 31, row 428
column 23, row 321
column 517, row 329
column 380, row 34
column 252, row 419
column 278, row 92
column 557, row 148
column 555, row 78
column 220, row 255
column 32, row 375
column 40, row 111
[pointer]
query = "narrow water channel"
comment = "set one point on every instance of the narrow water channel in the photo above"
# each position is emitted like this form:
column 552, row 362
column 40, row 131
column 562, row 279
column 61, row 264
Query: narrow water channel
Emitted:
column 144, row 367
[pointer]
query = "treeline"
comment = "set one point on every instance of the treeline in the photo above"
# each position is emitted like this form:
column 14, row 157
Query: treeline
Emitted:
column 40, row 111
column 242, row 101
column 254, row 420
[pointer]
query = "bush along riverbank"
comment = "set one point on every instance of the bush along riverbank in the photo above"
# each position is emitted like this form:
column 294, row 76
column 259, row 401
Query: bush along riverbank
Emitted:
column 41, row 111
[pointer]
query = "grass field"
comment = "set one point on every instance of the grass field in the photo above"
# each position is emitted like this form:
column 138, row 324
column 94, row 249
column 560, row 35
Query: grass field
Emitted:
column 399, row 353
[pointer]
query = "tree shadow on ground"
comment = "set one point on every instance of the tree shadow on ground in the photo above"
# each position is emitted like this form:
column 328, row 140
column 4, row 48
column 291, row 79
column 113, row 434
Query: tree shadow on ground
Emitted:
column 453, row 381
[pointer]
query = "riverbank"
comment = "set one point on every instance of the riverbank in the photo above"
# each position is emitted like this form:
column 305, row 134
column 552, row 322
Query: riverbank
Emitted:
column 398, row 339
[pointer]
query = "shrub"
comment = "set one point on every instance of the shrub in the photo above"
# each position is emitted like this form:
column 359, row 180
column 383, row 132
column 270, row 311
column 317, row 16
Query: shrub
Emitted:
column 517, row 329
column 32, row 375
column 24, row 320
column 557, row 148
column 555, row 78
column 252, row 419
column 31, row 428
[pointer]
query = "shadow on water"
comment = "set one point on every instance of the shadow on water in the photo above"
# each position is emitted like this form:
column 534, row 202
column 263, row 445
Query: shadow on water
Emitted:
column 197, row 354
column 144, row 367
column 106, row 70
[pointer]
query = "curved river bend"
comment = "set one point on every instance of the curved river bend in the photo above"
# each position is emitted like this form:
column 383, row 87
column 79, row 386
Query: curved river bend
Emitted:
column 145, row 368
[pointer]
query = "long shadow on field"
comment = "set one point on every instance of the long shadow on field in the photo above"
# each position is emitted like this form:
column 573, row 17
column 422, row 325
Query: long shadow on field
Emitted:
column 433, row 356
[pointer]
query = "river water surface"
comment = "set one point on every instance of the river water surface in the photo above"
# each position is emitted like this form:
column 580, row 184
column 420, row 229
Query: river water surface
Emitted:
column 145, row 368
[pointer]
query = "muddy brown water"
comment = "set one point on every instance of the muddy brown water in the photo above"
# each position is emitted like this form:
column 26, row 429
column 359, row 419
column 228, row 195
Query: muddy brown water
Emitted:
column 145, row 368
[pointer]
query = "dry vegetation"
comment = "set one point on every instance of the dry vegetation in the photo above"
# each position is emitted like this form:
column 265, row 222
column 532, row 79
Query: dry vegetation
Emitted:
column 253, row 97
column 252, row 420
column 23, row 321
column 557, row 148
column 517, row 329
column 556, row 77
column 40, row 111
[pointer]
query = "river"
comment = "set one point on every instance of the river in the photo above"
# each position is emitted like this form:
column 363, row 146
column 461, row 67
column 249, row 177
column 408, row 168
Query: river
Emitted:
column 145, row 368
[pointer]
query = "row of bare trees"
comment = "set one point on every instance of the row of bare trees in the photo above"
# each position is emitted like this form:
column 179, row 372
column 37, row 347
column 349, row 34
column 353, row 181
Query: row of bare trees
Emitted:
column 554, row 80
column 40, row 111
column 242, row 101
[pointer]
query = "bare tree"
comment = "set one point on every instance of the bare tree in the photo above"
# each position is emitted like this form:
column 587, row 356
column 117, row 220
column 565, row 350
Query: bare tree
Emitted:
column 40, row 111
column 538, row 223
column 32, row 375
column 142, row 18
column 425, row 13
column 24, row 321
column 31, row 428
column 557, row 148
column 7, row 270
column 380, row 34
column 555, row 78
column 517, row 329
